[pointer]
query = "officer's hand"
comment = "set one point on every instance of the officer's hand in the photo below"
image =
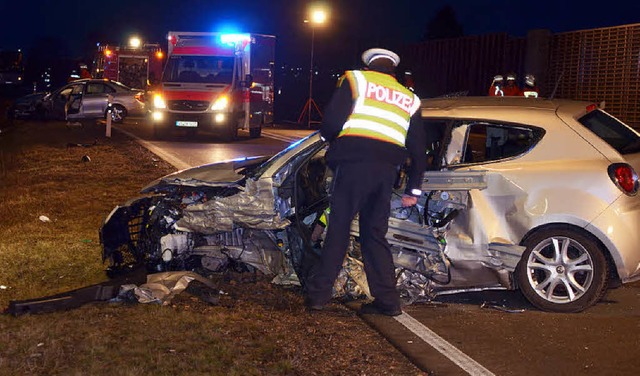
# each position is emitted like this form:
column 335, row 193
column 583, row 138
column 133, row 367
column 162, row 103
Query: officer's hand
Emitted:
column 408, row 200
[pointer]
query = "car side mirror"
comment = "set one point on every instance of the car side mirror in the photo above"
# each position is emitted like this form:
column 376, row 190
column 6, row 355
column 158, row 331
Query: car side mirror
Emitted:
column 248, row 81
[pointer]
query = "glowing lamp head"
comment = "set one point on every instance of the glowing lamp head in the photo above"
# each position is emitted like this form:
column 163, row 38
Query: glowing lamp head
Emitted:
column 318, row 16
column 135, row 42
column 108, row 53
column 159, row 54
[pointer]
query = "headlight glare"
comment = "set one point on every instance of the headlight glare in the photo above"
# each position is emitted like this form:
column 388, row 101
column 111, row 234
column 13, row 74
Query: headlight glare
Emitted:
column 220, row 104
column 158, row 102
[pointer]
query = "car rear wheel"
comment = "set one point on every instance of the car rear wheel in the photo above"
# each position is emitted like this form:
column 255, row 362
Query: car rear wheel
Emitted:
column 562, row 270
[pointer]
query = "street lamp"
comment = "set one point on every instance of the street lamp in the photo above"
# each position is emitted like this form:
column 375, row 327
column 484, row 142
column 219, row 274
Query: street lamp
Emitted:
column 135, row 42
column 318, row 16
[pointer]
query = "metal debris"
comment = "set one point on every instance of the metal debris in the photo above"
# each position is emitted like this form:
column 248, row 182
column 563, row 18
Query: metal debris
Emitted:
column 161, row 288
column 501, row 308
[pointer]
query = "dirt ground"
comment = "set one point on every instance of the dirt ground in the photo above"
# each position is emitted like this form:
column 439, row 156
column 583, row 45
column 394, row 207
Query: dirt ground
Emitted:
column 248, row 326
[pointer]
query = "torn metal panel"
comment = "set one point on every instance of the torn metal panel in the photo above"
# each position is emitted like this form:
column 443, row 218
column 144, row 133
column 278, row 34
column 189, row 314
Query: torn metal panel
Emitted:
column 75, row 298
column 456, row 180
column 161, row 288
column 223, row 174
column 252, row 208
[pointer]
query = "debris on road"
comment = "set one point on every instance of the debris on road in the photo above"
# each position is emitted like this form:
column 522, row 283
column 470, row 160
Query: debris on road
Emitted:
column 72, row 144
column 162, row 287
column 501, row 308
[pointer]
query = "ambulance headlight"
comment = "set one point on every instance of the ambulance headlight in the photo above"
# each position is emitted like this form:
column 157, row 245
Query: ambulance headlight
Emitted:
column 220, row 104
column 158, row 102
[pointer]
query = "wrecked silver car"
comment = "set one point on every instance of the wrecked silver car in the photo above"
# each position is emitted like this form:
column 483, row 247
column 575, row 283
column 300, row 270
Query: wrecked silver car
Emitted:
column 536, row 195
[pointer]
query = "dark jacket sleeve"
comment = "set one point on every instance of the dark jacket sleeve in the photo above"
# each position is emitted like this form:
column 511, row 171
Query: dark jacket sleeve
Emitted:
column 337, row 112
column 417, row 147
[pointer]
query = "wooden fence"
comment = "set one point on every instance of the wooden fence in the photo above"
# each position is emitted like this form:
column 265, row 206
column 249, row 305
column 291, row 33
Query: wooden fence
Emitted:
column 594, row 65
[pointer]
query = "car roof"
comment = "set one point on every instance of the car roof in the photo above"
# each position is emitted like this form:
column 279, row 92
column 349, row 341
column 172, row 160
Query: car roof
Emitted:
column 512, row 109
column 90, row 80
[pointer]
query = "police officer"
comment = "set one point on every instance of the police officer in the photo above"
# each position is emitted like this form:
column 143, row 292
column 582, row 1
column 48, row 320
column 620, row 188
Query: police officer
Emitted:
column 371, row 122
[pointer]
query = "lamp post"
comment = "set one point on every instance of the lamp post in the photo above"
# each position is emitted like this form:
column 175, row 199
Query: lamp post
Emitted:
column 135, row 42
column 318, row 17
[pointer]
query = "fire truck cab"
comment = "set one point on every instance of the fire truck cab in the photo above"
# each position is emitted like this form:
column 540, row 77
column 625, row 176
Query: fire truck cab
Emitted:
column 215, row 82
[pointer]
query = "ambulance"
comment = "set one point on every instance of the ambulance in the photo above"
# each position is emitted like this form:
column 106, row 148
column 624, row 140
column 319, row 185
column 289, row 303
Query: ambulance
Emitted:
column 215, row 82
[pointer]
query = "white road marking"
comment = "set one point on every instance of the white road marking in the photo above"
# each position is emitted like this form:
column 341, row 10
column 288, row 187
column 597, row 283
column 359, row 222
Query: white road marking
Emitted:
column 174, row 161
column 461, row 359
column 279, row 137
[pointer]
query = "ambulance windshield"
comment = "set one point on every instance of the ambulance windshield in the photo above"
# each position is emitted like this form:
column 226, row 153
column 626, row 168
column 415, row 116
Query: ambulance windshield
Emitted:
column 199, row 69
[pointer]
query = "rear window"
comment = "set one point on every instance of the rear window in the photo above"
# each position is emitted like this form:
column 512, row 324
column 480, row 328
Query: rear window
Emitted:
column 612, row 131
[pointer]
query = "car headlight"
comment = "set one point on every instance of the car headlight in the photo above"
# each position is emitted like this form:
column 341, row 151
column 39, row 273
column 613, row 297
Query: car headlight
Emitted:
column 220, row 103
column 158, row 102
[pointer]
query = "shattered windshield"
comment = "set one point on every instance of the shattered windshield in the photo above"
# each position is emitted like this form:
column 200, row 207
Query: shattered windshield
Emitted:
column 260, row 170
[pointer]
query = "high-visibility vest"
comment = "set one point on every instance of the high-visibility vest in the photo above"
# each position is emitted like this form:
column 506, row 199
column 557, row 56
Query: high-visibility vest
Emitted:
column 324, row 218
column 382, row 109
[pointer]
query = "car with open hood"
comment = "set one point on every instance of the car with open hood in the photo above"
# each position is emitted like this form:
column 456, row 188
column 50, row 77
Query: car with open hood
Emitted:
column 531, row 194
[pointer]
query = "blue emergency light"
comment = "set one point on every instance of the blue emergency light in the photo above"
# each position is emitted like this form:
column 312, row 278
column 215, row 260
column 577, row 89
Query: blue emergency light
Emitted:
column 233, row 39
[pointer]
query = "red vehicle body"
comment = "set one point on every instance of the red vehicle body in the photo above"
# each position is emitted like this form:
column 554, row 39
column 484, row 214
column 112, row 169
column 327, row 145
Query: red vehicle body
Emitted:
column 216, row 82
column 138, row 68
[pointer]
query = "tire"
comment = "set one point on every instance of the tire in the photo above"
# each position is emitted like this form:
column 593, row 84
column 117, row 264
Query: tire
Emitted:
column 160, row 132
column 230, row 134
column 565, row 283
column 255, row 132
column 118, row 113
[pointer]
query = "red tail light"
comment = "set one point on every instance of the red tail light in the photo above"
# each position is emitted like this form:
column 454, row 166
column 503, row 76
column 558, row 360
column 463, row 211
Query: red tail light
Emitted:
column 624, row 177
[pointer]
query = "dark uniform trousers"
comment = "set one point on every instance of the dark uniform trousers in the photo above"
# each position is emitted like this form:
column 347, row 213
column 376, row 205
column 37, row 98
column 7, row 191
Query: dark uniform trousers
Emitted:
column 365, row 188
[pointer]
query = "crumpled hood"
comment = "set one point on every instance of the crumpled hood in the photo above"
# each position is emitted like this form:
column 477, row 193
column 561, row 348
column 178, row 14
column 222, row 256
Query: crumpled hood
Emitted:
column 221, row 174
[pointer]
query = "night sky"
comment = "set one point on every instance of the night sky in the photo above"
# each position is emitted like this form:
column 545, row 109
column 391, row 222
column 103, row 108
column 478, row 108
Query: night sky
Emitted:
column 354, row 25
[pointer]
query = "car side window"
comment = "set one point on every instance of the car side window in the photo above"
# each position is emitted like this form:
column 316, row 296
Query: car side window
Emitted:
column 487, row 142
column 95, row 88
column 64, row 93
column 108, row 89
column 77, row 89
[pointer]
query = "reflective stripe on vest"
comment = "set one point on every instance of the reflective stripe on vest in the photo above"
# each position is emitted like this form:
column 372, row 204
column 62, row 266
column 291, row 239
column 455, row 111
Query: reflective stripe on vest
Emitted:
column 530, row 94
column 382, row 108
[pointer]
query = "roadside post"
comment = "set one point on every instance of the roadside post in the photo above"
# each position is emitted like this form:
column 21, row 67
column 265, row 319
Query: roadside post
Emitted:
column 109, row 111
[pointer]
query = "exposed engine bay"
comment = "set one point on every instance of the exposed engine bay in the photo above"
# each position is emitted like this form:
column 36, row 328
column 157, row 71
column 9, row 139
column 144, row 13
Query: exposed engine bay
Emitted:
column 267, row 223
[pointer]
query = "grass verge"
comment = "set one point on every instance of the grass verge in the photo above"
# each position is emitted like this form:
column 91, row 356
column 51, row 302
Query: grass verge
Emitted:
column 256, row 329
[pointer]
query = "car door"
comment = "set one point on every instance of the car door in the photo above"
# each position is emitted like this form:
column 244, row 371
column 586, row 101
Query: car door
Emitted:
column 58, row 101
column 476, row 183
column 95, row 99
column 73, row 108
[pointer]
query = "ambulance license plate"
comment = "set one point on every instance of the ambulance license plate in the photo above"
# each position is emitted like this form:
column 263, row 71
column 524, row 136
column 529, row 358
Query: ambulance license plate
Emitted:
column 192, row 124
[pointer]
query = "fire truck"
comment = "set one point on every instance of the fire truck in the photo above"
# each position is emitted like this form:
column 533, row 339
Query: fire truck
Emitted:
column 215, row 82
column 137, row 67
